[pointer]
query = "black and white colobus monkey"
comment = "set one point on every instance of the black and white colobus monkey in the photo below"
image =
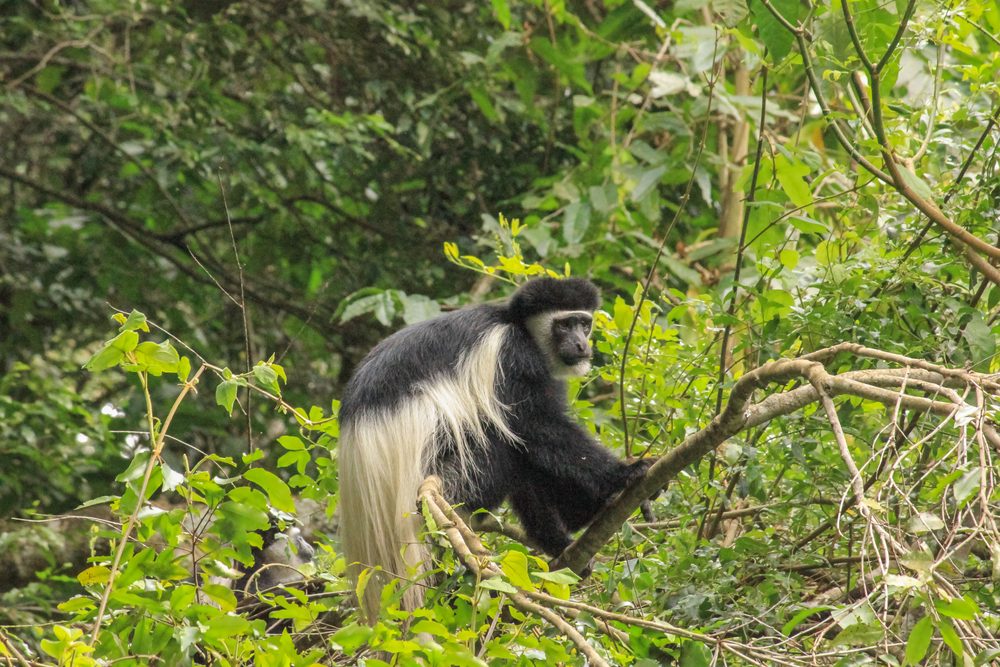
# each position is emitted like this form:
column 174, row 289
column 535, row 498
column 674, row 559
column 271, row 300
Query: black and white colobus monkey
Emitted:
column 476, row 397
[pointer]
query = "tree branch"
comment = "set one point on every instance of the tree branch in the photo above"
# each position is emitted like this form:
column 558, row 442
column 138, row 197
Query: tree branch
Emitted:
column 739, row 415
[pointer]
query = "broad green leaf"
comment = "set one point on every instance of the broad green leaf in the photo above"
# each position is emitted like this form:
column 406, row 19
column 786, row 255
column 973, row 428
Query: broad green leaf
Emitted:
column 982, row 342
column 225, row 394
column 113, row 351
column 967, row 485
column 497, row 584
column 808, row 225
column 266, row 376
column 964, row 608
column 604, row 198
column 646, row 182
column 502, row 11
column 483, row 101
column 917, row 184
column 775, row 36
column 695, row 654
column 106, row 357
column 135, row 321
column 278, row 493
column 902, row 581
column 925, row 522
column 919, row 641
column 291, row 442
column 417, row 308
column 951, row 638
column 563, row 576
column 157, row 358
column 171, row 478
column 860, row 634
column 515, row 565
column 183, row 369
column 987, row 657
column 94, row 576
column 791, row 175
column 226, row 625
column 800, row 616
column 789, row 258
column 135, row 468
column 575, row 221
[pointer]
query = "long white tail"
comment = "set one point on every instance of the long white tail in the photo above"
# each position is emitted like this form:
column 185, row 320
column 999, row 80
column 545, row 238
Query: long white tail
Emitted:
column 384, row 457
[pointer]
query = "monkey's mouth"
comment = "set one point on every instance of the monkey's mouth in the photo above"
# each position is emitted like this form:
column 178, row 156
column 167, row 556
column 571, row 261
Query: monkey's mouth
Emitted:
column 574, row 359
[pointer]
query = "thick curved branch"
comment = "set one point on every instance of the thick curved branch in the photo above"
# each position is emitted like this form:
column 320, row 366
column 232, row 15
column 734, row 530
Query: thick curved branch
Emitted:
column 740, row 415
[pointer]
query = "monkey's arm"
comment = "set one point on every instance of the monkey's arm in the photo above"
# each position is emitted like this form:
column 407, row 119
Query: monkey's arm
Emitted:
column 560, row 447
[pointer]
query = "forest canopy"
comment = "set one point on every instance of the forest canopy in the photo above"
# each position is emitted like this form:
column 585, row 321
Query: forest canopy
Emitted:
column 211, row 211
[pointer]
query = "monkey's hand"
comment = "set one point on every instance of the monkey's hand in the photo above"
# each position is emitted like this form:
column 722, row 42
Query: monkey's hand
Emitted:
column 637, row 469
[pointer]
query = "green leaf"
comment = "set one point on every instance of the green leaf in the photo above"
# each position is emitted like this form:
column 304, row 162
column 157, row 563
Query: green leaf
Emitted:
column 647, row 180
column 266, row 377
column 775, row 36
column 564, row 576
column 157, row 358
column 113, row 351
column 859, row 634
column 502, row 10
column 515, row 565
column 135, row 469
column 94, row 576
column 925, row 522
column 105, row 358
column 791, row 175
column 183, row 369
column 982, row 342
column 808, row 225
column 135, row 321
column 919, row 641
column 483, row 101
column 789, row 258
column 171, row 478
column 352, row 637
column 951, row 638
column 917, row 184
column 695, row 654
column 225, row 394
column 604, row 198
column 800, row 616
column 964, row 608
column 291, row 442
column 967, row 485
column 278, row 493
column 226, row 625
column 497, row 584
column 987, row 657
column 575, row 221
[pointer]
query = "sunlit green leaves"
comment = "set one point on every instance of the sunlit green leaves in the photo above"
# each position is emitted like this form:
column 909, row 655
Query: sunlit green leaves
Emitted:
column 113, row 352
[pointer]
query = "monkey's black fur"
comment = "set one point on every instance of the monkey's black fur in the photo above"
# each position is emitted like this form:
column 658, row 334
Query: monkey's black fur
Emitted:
column 558, row 477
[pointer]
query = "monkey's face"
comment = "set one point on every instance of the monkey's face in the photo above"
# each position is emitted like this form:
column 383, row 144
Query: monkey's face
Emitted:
column 571, row 338
column 564, row 337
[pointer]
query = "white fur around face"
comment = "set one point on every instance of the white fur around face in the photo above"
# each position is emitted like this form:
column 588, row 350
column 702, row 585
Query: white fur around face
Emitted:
column 540, row 328
column 385, row 456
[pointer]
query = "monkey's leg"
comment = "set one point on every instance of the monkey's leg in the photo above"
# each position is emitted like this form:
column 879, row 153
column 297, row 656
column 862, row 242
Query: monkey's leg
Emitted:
column 540, row 517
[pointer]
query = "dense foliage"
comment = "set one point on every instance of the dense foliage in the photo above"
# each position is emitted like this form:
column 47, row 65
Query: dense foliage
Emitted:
column 258, row 192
